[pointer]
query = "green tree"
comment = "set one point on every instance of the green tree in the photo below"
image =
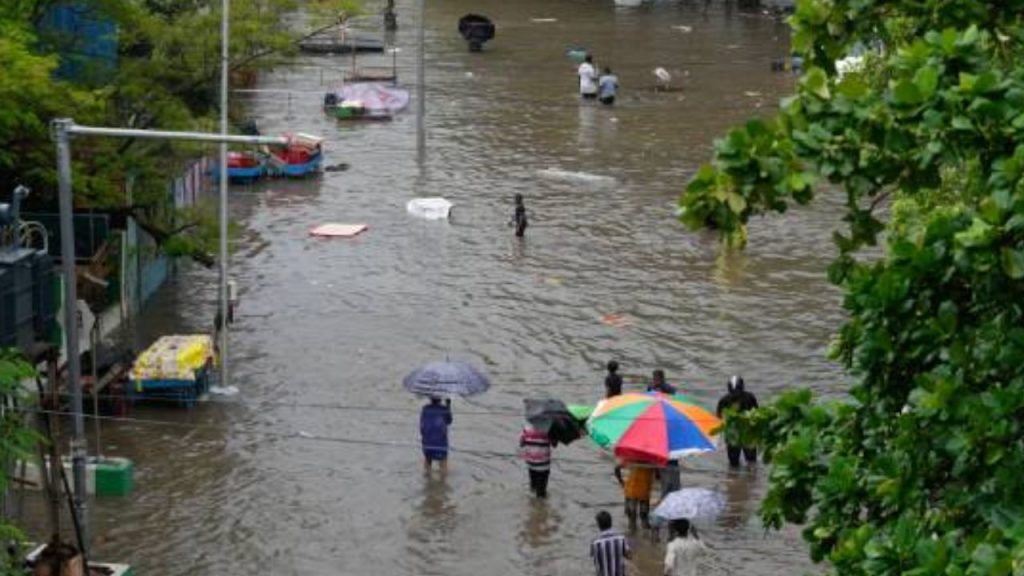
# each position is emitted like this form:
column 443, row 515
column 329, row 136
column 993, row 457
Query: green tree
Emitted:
column 917, row 471
column 18, row 439
column 167, row 77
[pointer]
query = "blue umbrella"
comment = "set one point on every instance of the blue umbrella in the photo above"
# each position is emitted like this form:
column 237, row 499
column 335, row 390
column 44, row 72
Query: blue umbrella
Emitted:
column 444, row 379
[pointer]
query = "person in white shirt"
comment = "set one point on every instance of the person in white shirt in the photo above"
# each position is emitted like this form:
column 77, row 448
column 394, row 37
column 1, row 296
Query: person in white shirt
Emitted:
column 684, row 549
column 588, row 78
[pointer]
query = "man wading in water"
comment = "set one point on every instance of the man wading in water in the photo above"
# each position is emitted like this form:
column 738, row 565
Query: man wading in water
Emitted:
column 738, row 399
column 519, row 217
column 434, row 422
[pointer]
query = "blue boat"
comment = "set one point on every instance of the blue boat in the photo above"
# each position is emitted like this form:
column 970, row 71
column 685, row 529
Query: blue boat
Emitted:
column 301, row 157
column 243, row 167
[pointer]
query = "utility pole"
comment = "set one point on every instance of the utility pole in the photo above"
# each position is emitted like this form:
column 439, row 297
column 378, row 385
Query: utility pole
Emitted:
column 63, row 129
column 421, row 88
column 222, row 288
column 67, row 257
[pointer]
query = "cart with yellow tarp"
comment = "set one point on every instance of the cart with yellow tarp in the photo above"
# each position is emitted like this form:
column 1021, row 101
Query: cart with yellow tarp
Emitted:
column 174, row 368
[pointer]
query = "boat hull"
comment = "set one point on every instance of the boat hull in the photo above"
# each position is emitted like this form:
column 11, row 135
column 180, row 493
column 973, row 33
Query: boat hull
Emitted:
column 297, row 170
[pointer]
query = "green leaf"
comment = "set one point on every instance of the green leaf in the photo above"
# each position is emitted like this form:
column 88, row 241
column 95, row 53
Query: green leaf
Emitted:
column 926, row 79
column 852, row 87
column 816, row 82
column 979, row 234
column 906, row 93
column 1013, row 262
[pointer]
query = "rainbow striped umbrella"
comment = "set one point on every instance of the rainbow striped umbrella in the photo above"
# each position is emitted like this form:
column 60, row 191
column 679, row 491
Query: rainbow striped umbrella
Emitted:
column 652, row 427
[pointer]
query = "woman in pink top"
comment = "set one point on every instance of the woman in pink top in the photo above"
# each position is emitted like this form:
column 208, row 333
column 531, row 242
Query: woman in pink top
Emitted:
column 535, row 448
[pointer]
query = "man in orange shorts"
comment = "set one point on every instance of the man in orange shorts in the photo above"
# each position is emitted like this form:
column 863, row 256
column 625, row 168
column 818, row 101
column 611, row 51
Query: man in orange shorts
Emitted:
column 637, row 491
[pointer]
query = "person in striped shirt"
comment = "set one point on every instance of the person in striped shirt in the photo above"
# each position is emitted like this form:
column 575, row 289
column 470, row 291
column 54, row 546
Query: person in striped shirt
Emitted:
column 610, row 549
column 535, row 448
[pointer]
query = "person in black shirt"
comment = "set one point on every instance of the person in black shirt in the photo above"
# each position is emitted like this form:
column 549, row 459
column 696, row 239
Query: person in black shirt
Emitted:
column 613, row 381
column 658, row 383
column 519, row 218
column 740, row 400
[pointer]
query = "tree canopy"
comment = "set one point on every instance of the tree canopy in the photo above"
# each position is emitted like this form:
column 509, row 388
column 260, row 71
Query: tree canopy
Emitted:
column 167, row 77
column 917, row 470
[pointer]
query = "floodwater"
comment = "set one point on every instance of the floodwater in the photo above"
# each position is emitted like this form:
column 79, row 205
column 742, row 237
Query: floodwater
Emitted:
column 314, row 468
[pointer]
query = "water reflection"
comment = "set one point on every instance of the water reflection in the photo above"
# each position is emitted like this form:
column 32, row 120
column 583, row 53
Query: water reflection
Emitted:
column 586, row 133
column 541, row 525
column 429, row 532
column 740, row 492
column 730, row 267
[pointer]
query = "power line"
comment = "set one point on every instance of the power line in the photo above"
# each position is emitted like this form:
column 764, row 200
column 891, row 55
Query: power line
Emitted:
column 480, row 411
column 308, row 436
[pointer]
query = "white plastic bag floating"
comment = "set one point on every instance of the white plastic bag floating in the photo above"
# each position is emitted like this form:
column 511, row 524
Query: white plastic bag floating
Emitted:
column 429, row 208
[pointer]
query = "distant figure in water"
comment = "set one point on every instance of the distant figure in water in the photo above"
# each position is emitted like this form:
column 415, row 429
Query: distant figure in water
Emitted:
column 390, row 20
column 658, row 383
column 607, row 87
column 519, row 218
column 613, row 381
column 434, row 422
column 588, row 78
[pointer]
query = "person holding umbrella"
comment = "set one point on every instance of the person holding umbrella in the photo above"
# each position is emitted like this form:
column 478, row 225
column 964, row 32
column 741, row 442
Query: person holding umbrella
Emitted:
column 436, row 380
column 535, row 448
column 636, row 490
column 435, row 418
column 548, row 424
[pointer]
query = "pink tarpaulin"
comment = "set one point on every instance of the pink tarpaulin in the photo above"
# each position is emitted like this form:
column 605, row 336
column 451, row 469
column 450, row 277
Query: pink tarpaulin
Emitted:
column 375, row 97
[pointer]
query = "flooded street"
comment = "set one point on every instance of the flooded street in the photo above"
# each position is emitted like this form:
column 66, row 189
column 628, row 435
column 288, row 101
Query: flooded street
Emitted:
column 314, row 468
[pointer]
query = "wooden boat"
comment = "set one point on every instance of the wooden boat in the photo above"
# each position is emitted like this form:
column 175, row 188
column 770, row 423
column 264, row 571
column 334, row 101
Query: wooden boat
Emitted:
column 301, row 157
column 244, row 167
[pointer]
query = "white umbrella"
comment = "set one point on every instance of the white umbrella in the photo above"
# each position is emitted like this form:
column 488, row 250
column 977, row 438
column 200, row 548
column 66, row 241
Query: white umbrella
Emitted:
column 690, row 503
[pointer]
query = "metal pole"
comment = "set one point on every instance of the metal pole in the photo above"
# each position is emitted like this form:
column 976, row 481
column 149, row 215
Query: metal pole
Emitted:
column 95, row 344
column 222, row 289
column 79, row 130
column 67, row 242
column 421, row 87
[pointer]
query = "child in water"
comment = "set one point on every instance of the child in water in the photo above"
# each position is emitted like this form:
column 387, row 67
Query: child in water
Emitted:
column 519, row 218
column 608, row 86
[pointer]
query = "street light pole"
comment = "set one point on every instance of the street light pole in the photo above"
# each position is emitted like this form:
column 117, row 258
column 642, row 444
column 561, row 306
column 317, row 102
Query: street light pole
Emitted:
column 222, row 288
column 67, row 257
column 421, row 87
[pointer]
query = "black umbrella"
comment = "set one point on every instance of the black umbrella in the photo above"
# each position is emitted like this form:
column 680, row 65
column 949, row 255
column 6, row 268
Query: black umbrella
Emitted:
column 444, row 379
column 553, row 418
column 476, row 29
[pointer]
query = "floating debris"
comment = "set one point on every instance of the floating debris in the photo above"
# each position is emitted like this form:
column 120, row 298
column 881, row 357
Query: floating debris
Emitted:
column 334, row 230
column 559, row 174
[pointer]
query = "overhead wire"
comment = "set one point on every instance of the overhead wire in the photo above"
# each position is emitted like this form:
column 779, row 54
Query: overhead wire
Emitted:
column 308, row 436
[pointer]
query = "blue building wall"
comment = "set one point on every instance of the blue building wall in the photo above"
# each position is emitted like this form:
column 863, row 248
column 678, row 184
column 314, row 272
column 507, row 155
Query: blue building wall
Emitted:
column 86, row 42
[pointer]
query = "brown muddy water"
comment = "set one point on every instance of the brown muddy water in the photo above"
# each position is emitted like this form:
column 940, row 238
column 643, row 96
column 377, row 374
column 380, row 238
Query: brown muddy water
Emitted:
column 314, row 468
